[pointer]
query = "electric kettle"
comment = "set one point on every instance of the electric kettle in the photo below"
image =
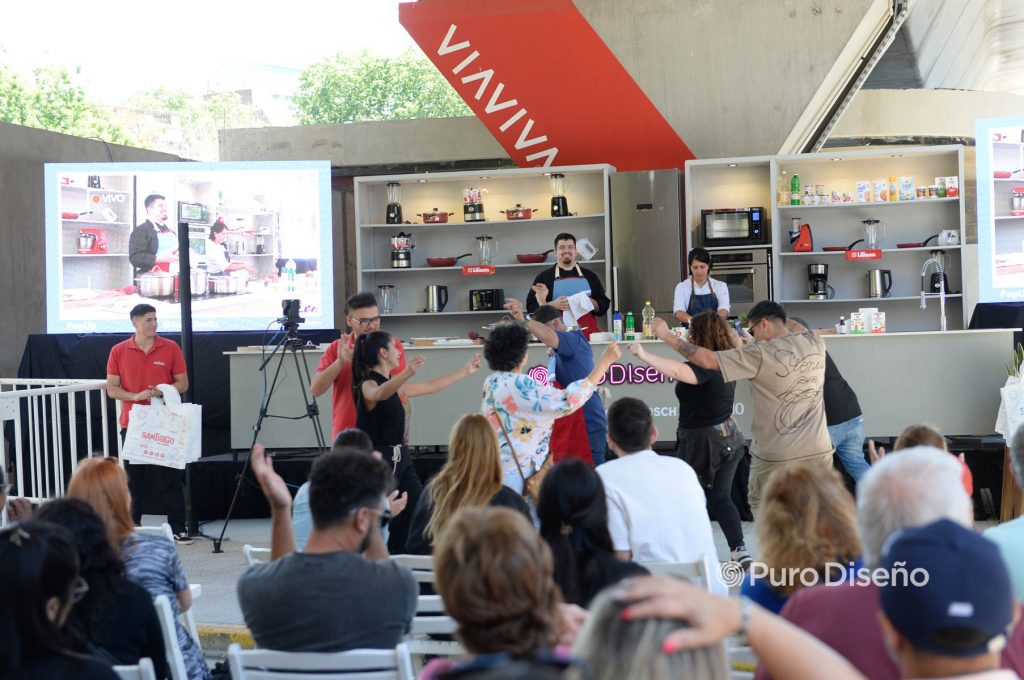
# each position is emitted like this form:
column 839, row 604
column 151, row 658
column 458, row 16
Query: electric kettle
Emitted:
column 879, row 283
column 437, row 298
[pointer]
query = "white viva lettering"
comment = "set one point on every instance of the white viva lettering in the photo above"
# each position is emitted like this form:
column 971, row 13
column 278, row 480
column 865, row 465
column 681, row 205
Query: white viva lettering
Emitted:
column 485, row 76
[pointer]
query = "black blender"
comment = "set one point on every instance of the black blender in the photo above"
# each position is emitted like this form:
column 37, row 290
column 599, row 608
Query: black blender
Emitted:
column 559, row 206
column 394, row 212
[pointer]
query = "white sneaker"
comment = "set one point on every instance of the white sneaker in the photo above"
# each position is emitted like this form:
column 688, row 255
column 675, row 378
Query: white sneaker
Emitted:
column 183, row 538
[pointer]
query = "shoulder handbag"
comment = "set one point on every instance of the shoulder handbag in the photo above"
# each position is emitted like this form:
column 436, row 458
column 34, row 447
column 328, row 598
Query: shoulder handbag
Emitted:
column 531, row 484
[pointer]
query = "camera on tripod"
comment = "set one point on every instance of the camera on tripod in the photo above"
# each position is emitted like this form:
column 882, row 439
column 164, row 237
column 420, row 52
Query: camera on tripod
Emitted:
column 290, row 312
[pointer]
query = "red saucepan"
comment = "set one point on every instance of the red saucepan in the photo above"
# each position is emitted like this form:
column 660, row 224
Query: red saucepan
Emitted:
column 434, row 216
column 445, row 261
column 519, row 212
column 534, row 258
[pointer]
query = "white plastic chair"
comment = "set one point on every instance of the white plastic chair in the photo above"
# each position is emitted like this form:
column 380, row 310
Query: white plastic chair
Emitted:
column 175, row 660
column 422, row 566
column 700, row 571
column 255, row 555
column 430, row 618
column 357, row 664
column 142, row 671
column 411, row 652
column 162, row 530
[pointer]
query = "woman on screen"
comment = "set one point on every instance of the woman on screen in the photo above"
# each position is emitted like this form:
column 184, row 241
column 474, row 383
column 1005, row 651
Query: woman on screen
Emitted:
column 218, row 261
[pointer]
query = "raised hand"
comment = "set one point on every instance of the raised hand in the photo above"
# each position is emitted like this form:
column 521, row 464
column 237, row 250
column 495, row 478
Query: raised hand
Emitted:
column 274, row 488
column 415, row 364
column 345, row 352
column 541, row 291
column 660, row 328
column 473, row 365
column 636, row 349
column 515, row 308
column 611, row 352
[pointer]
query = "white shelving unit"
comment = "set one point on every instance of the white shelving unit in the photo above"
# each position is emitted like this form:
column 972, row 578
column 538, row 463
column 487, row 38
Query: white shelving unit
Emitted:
column 588, row 197
column 840, row 225
column 110, row 206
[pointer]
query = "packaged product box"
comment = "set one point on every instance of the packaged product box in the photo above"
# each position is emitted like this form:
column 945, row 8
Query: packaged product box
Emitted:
column 880, row 191
column 894, row 188
column 863, row 191
column 856, row 324
column 906, row 188
column 878, row 322
column 952, row 187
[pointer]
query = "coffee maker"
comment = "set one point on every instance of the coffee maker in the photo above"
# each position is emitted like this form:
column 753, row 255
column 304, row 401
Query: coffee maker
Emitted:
column 559, row 204
column 401, row 250
column 394, row 209
column 817, row 282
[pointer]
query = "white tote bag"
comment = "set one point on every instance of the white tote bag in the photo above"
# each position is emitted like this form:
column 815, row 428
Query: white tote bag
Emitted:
column 168, row 435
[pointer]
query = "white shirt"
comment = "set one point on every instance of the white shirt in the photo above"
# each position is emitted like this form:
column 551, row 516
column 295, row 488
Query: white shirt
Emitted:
column 656, row 509
column 682, row 294
column 216, row 258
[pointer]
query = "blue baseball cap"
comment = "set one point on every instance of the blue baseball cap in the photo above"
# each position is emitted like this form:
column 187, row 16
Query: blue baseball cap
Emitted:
column 948, row 590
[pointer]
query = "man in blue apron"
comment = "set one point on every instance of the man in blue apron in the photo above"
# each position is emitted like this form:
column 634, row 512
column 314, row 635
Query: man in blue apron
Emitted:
column 153, row 243
column 556, row 285
column 699, row 292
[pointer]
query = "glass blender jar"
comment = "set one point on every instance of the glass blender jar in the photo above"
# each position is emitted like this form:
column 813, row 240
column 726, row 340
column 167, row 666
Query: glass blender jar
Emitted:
column 488, row 249
column 394, row 209
column 559, row 205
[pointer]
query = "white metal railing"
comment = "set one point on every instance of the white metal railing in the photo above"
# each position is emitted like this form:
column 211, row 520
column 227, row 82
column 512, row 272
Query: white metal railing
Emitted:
column 53, row 412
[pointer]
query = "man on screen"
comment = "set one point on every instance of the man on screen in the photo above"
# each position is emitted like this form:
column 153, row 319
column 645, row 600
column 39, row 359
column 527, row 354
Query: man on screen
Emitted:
column 134, row 370
column 153, row 243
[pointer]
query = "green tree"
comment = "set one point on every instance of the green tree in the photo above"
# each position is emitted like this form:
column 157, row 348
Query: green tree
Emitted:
column 344, row 89
column 54, row 101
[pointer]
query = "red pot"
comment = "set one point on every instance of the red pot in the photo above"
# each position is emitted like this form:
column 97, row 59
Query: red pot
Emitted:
column 519, row 213
column 434, row 216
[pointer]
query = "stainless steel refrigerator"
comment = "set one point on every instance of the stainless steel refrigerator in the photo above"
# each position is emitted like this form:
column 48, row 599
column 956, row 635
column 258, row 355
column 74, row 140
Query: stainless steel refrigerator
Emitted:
column 648, row 240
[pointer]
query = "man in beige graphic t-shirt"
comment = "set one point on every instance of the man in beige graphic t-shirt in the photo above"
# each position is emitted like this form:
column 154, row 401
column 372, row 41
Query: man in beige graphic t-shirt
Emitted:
column 786, row 369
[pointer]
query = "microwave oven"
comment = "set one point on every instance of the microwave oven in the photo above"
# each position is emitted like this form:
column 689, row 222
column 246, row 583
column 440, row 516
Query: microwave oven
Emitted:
column 734, row 227
column 193, row 213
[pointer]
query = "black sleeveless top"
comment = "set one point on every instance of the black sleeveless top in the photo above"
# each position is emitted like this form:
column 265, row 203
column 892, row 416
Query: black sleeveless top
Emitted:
column 385, row 423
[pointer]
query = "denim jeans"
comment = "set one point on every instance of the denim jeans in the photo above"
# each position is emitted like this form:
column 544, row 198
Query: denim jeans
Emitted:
column 598, row 445
column 848, row 438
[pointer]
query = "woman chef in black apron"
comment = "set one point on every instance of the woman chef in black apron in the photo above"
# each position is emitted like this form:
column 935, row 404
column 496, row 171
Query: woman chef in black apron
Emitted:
column 699, row 292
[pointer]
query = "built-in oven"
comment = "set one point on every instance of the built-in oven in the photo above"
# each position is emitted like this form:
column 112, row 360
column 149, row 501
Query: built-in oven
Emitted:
column 747, row 273
column 198, row 235
column 734, row 227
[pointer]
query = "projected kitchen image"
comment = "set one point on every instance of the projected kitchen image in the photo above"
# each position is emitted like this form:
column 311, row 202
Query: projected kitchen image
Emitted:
column 256, row 235
column 1006, row 193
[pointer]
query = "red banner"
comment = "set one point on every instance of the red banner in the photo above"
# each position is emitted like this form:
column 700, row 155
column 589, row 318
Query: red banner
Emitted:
column 544, row 83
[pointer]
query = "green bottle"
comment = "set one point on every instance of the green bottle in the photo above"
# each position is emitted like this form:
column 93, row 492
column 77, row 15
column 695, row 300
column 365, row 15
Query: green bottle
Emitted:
column 794, row 190
column 630, row 327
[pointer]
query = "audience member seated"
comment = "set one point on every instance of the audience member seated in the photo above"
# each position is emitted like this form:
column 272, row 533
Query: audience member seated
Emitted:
column 470, row 478
column 808, row 523
column 39, row 573
column 341, row 592
column 17, row 508
column 573, row 515
column 656, row 506
column 150, row 560
column 783, row 648
column 115, row 621
column 915, row 488
column 1009, row 536
column 493, row 572
column 615, row 648
column 923, row 434
column 955, row 617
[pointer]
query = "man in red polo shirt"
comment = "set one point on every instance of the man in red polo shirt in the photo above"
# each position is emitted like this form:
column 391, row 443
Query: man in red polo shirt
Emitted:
column 134, row 369
column 335, row 367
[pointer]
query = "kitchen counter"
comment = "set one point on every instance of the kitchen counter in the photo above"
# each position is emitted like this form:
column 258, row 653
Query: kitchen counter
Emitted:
column 950, row 379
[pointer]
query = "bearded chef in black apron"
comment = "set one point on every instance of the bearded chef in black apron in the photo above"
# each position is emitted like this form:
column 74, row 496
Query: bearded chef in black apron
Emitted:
column 570, row 288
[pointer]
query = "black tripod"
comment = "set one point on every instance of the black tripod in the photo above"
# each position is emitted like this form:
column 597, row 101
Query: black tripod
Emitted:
column 288, row 342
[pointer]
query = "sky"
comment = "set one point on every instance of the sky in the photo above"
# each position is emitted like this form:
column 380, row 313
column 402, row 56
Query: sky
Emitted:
column 122, row 46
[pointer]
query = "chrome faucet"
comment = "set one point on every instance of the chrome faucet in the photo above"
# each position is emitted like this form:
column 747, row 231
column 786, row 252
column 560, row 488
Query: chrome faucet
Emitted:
column 935, row 259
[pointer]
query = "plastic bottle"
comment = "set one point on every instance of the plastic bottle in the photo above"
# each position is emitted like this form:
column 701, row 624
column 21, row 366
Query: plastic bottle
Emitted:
column 617, row 325
column 630, row 327
column 794, row 190
column 841, row 326
column 289, row 276
column 648, row 317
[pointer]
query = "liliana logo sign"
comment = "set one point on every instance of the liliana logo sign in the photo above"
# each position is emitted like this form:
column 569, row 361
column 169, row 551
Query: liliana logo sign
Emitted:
column 544, row 83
